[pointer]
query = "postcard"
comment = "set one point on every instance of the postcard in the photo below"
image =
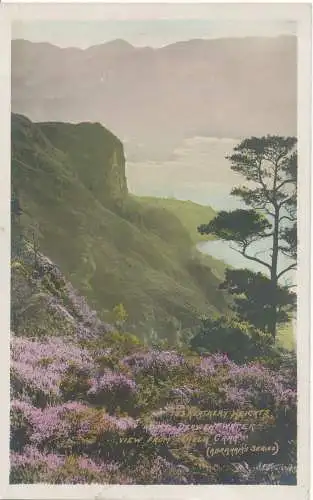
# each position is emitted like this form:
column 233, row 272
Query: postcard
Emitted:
column 158, row 249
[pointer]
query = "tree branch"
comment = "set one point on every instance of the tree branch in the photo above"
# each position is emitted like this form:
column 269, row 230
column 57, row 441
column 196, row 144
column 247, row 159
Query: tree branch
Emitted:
column 255, row 259
column 264, row 235
column 250, row 257
column 286, row 181
column 286, row 217
column 289, row 268
column 269, row 212
column 283, row 202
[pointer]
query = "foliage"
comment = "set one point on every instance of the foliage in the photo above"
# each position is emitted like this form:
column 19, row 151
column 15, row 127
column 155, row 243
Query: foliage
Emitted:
column 113, row 247
column 37, row 368
column 239, row 225
column 90, row 403
column 113, row 390
column 253, row 297
column 239, row 339
column 120, row 313
column 269, row 164
column 181, row 405
column 190, row 214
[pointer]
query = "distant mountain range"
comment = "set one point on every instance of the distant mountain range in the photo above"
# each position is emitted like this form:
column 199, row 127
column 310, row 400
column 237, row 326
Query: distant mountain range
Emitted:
column 154, row 98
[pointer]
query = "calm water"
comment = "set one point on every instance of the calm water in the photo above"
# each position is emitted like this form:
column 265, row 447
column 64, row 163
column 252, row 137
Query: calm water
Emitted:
column 200, row 172
column 222, row 250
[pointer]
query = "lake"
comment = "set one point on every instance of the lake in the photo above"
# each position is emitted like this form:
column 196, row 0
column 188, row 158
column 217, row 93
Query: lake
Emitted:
column 199, row 171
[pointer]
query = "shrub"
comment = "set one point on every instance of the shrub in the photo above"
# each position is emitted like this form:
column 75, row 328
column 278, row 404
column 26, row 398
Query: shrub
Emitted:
column 112, row 390
column 75, row 384
column 160, row 471
column 157, row 363
column 84, row 470
column 33, row 466
column 21, row 424
column 147, row 417
column 240, row 340
column 38, row 368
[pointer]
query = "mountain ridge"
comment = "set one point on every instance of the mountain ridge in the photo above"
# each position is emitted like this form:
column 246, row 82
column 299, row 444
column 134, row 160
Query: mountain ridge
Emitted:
column 158, row 97
column 125, row 43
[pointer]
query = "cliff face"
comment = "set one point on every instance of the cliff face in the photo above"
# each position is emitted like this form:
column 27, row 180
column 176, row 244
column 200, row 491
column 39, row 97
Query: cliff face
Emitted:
column 69, row 180
column 96, row 154
column 86, row 151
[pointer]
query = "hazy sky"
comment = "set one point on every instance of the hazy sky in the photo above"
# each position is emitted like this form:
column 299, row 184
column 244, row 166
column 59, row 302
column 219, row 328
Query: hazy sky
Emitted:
column 155, row 33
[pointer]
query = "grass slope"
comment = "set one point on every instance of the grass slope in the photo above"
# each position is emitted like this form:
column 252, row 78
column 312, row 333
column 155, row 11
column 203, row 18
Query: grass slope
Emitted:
column 190, row 214
column 136, row 252
column 286, row 336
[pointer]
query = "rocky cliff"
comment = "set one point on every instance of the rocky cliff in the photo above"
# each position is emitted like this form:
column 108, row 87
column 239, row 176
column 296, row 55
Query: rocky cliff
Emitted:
column 87, row 150
column 114, row 248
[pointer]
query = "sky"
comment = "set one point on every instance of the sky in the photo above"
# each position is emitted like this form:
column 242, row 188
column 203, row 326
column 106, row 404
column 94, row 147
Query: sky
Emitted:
column 153, row 33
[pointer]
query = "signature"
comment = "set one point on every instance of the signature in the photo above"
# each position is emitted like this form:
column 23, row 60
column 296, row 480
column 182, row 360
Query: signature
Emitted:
column 245, row 449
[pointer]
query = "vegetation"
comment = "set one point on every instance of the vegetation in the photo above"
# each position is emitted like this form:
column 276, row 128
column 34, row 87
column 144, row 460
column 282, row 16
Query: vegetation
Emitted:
column 253, row 298
column 204, row 396
column 242, row 341
column 269, row 164
column 83, row 415
column 190, row 214
column 114, row 248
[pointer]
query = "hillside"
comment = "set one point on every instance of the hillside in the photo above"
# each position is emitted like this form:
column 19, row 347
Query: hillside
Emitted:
column 189, row 213
column 91, row 404
column 114, row 248
column 187, row 89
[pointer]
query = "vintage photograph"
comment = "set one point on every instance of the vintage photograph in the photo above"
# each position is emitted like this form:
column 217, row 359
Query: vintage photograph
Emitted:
column 154, row 252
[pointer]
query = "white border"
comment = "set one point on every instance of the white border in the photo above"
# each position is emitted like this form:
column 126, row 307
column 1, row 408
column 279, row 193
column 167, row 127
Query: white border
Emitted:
column 299, row 12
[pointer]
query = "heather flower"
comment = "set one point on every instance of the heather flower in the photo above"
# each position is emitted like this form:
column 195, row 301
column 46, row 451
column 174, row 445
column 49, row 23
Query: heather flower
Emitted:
column 209, row 364
column 237, row 397
column 261, row 385
column 77, row 443
column 75, row 426
column 157, row 363
column 53, row 348
column 112, row 381
column 103, row 353
column 79, row 306
column 33, row 466
column 96, row 468
column 50, row 467
column 112, row 389
column 85, row 470
column 121, row 424
column 38, row 367
column 51, row 422
column 22, row 418
column 160, row 471
column 22, row 406
column 183, row 394
column 32, row 457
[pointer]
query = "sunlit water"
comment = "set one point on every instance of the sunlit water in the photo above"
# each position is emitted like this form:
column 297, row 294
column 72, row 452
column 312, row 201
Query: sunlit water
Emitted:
column 199, row 172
